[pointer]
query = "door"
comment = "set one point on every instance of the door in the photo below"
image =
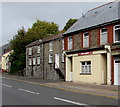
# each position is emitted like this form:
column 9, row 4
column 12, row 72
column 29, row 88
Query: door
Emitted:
column 56, row 61
column 117, row 72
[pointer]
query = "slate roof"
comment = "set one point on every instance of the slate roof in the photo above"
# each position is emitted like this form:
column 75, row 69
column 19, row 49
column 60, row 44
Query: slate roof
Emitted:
column 100, row 15
column 37, row 42
column 44, row 40
column 50, row 38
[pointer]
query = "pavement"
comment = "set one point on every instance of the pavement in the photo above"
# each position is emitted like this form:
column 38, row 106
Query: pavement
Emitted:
column 111, row 91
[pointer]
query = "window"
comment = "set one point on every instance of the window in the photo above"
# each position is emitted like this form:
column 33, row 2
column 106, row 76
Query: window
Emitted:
column 34, row 61
column 30, row 61
column 69, row 42
column 117, row 33
column 86, row 39
column 63, row 44
column 38, row 49
column 30, row 51
column 50, row 58
column 38, row 60
column 50, row 46
column 103, row 36
column 86, row 67
column 63, row 57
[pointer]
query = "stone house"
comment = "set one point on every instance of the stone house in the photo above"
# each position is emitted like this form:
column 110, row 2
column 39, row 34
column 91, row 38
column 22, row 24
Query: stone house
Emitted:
column 92, row 46
column 45, row 58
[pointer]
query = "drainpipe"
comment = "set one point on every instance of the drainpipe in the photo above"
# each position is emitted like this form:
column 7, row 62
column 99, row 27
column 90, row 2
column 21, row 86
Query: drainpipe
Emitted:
column 43, row 60
column 108, row 49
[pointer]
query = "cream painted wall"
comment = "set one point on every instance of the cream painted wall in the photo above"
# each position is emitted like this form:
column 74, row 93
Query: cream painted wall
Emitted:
column 4, row 61
column 98, row 69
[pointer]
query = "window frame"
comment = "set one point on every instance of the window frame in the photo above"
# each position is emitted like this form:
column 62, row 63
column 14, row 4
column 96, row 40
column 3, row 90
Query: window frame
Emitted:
column 38, row 60
column 70, row 43
column 63, row 44
column 51, row 46
column 34, row 61
column 30, row 51
column 50, row 59
column 38, row 49
column 86, row 67
column 114, row 32
column 103, row 34
column 30, row 61
column 63, row 57
column 84, row 38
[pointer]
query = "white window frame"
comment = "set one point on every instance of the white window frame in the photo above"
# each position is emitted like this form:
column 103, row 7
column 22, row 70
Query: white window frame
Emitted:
column 103, row 36
column 114, row 32
column 63, row 44
column 85, row 69
column 38, row 49
column 70, row 43
column 34, row 61
column 85, row 40
column 63, row 59
column 50, row 46
column 50, row 58
column 38, row 60
column 30, row 51
column 30, row 61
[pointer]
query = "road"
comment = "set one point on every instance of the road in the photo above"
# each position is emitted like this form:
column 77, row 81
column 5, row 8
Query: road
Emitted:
column 15, row 92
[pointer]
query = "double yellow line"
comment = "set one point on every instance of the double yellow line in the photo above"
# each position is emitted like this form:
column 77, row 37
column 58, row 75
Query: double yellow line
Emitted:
column 72, row 90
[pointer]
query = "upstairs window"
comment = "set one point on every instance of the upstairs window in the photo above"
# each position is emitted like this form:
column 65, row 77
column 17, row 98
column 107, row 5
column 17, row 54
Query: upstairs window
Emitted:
column 38, row 49
column 62, row 44
column 30, row 51
column 69, row 42
column 86, row 67
column 50, row 58
column 103, row 36
column 117, row 33
column 50, row 46
column 86, row 39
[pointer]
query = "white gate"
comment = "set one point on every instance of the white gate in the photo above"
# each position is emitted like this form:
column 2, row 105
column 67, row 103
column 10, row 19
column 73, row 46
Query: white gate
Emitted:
column 56, row 61
column 117, row 72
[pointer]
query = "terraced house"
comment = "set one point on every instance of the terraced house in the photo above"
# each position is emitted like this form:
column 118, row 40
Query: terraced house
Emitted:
column 45, row 58
column 92, row 46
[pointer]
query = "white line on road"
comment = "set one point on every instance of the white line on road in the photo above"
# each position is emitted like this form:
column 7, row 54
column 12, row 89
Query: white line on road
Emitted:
column 68, row 101
column 7, row 85
column 27, row 91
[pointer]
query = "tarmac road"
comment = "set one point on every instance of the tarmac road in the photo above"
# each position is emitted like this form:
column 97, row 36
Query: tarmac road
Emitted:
column 15, row 92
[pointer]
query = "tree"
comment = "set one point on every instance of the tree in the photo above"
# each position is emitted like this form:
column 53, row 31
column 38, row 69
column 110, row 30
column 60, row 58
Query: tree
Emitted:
column 39, row 30
column 42, row 29
column 69, row 24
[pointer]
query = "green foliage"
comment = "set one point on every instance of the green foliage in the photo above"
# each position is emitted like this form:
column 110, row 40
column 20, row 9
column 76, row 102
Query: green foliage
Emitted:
column 39, row 30
column 69, row 24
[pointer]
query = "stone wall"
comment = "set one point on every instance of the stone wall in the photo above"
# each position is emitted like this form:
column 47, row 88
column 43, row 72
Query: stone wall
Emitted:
column 49, row 68
column 34, row 70
column 45, row 70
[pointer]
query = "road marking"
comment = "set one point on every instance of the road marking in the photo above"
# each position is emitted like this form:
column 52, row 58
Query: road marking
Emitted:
column 72, row 90
column 27, row 91
column 7, row 85
column 68, row 101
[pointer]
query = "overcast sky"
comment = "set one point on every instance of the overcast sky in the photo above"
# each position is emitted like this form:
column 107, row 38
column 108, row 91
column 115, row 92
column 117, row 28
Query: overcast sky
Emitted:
column 18, row 14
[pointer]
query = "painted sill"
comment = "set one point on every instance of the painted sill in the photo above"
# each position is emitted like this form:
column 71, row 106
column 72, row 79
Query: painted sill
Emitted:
column 49, row 62
column 85, row 74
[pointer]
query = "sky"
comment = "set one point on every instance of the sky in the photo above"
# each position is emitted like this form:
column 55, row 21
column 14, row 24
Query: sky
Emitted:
column 14, row 15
